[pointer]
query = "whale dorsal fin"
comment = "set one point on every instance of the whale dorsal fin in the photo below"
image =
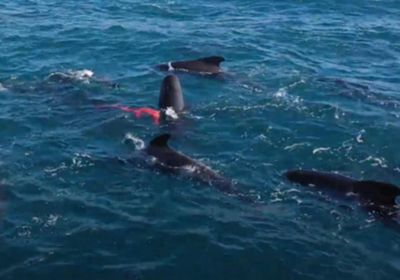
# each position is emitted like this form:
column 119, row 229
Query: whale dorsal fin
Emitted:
column 161, row 140
column 215, row 60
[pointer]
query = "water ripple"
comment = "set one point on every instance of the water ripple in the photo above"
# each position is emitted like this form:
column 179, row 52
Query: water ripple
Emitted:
column 308, row 86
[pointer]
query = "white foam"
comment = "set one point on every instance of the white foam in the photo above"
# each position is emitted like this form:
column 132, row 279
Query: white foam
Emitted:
column 52, row 220
column 2, row 88
column 189, row 169
column 82, row 74
column 359, row 136
column 376, row 161
column 137, row 142
column 36, row 220
column 151, row 160
column 282, row 92
column 295, row 145
column 81, row 160
column 54, row 170
column 171, row 114
column 24, row 231
column 49, row 221
column 319, row 150
column 261, row 137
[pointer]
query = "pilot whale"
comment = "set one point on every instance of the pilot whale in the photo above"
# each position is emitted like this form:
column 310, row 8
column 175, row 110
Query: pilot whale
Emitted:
column 171, row 161
column 377, row 197
column 85, row 76
column 205, row 65
column 171, row 94
column 170, row 102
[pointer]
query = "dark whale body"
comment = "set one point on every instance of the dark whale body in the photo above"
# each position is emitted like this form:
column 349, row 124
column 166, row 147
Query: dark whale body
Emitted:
column 378, row 197
column 205, row 65
column 171, row 94
column 172, row 161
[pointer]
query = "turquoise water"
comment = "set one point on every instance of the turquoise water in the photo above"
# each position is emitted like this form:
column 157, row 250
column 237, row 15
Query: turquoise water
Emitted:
column 311, row 84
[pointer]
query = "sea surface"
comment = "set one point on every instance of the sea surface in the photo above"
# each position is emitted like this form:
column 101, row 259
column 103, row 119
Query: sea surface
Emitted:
column 310, row 84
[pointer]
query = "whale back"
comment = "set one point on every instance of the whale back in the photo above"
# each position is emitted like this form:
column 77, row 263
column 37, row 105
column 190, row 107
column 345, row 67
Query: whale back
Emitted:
column 377, row 192
column 326, row 180
column 213, row 60
column 209, row 64
column 174, row 162
column 205, row 65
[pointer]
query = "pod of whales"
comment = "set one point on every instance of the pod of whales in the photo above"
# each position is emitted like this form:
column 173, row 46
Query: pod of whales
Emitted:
column 377, row 197
column 205, row 65
column 174, row 162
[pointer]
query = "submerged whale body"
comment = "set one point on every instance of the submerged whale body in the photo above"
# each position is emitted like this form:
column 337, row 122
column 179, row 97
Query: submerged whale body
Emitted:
column 378, row 197
column 172, row 161
column 205, row 65
column 85, row 76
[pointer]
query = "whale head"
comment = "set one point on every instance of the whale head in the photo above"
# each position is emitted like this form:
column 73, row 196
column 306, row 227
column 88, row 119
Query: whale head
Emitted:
column 171, row 94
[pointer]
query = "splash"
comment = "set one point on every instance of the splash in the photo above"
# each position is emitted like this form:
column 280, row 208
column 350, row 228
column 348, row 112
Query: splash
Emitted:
column 2, row 88
column 283, row 91
column 359, row 138
column 78, row 75
column 137, row 142
column 320, row 150
column 376, row 161
column 81, row 160
column 296, row 145
column 170, row 114
column 82, row 74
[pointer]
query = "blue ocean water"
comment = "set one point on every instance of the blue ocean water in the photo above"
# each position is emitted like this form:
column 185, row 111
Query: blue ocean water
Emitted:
column 311, row 84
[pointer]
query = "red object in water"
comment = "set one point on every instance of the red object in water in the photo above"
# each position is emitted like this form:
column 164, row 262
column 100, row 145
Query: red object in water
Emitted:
column 138, row 112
